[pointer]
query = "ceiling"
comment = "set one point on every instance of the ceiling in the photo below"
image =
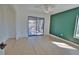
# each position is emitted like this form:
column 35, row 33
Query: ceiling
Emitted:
column 56, row 9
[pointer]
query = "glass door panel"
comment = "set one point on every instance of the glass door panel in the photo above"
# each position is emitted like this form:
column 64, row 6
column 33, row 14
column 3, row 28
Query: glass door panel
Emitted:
column 32, row 26
column 40, row 26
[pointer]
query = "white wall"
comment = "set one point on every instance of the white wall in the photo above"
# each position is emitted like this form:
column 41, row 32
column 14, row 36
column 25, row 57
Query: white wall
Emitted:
column 7, row 23
column 14, row 21
column 11, row 21
column 2, row 26
column 22, row 21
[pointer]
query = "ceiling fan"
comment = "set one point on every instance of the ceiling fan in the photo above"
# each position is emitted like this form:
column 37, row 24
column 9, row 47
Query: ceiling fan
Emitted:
column 48, row 8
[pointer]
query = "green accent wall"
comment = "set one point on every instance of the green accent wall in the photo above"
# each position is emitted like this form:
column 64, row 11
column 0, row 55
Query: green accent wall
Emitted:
column 63, row 24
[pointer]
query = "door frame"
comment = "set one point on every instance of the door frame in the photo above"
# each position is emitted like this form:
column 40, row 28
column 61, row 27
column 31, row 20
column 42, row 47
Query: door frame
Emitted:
column 36, row 25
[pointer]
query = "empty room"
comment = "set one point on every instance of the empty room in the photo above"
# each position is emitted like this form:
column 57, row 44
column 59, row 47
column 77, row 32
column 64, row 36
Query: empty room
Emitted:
column 39, row 29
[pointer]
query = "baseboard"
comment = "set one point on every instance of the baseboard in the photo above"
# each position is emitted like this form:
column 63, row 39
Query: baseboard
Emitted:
column 64, row 40
column 12, row 38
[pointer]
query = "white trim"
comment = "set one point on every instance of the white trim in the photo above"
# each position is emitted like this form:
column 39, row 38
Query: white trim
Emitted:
column 64, row 40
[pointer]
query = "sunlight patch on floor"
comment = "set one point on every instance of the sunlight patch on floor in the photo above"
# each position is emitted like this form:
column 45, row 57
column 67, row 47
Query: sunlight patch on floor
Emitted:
column 63, row 45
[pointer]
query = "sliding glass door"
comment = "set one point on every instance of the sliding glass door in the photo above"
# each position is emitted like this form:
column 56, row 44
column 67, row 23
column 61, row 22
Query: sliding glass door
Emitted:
column 36, row 26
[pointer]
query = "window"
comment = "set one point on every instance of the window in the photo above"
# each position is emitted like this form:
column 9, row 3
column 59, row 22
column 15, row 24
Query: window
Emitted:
column 76, row 32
